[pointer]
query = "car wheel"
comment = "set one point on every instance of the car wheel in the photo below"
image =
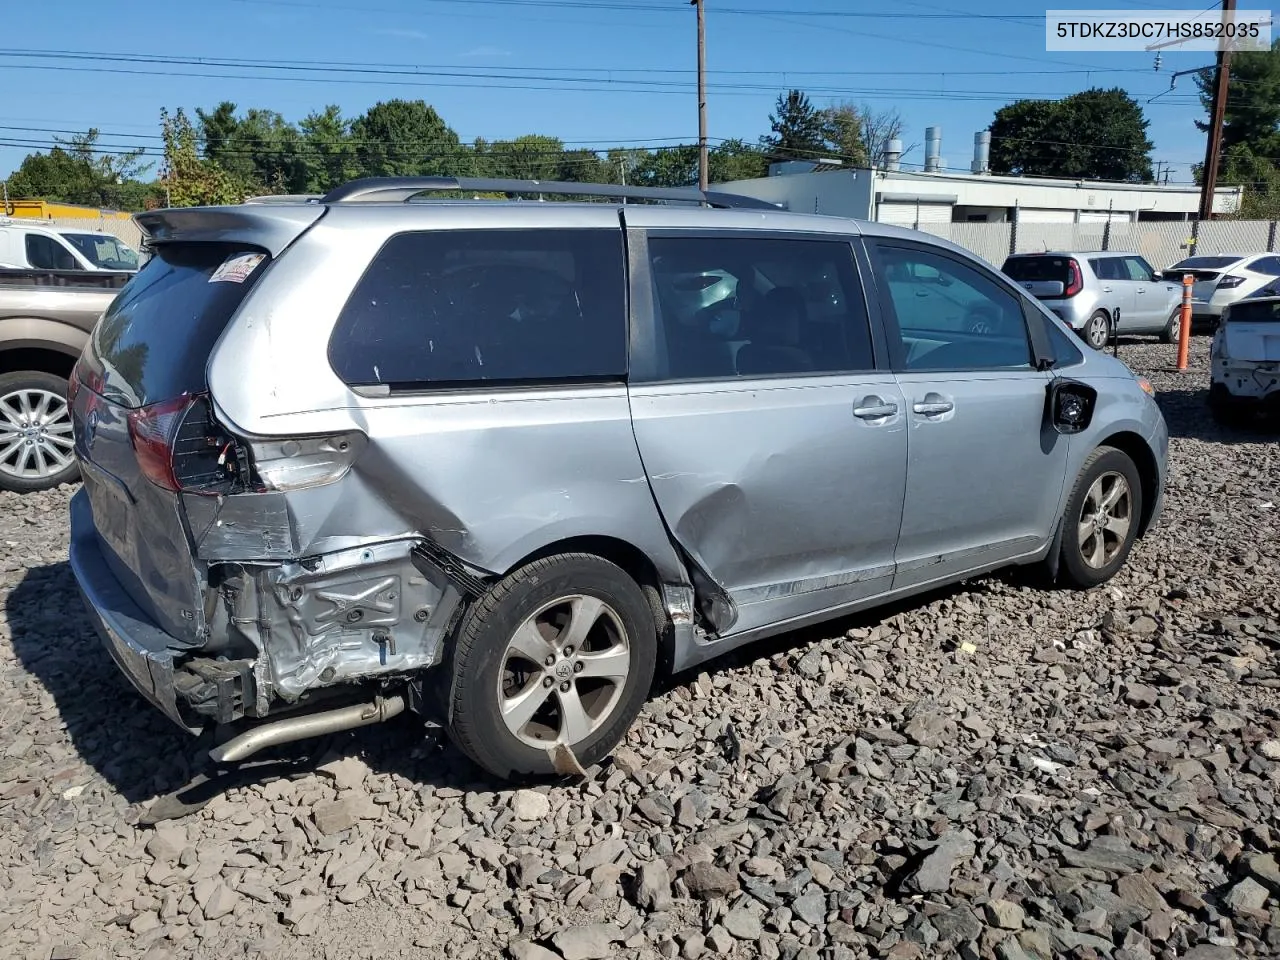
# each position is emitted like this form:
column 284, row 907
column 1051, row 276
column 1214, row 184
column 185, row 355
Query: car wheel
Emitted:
column 1173, row 328
column 1097, row 330
column 1102, row 517
column 1226, row 410
column 560, row 654
column 36, row 446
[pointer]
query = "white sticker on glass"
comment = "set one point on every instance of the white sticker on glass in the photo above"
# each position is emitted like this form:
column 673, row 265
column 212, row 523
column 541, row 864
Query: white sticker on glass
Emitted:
column 237, row 269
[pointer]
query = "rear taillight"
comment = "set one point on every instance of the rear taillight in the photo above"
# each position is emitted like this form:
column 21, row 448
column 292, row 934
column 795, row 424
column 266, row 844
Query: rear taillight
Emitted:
column 1229, row 281
column 1075, row 282
column 181, row 448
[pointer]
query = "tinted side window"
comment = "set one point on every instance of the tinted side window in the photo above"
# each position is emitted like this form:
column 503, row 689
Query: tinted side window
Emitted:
column 44, row 253
column 1268, row 265
column 1109, row 268
column 952, row 316
column 1136, row 269
column 486, row 305
column 746, row 307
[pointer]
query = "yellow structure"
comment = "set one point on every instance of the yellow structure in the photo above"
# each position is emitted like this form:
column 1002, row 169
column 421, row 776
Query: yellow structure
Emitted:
column 48, row 210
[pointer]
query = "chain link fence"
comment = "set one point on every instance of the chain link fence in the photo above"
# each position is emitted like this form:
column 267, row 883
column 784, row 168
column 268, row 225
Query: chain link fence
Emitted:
column 124, row 230
column 1162, row 242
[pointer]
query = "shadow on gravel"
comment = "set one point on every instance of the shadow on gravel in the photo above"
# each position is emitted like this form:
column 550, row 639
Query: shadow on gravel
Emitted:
column 141, row 754
column 1186, row 411
column 133, row 747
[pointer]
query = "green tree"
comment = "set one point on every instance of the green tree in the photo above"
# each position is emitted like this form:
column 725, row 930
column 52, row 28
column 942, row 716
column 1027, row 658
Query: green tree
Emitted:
column 328, row 155
column 1252, row 114
column 799, row 129
column 76, row 171
column 843, row 127
column 667, row 167
column 1092, row 135
column 260, row 149
column 736, row 160
column 189, row 179
column 529, row 157
column 404, row 138
column 1260, row 177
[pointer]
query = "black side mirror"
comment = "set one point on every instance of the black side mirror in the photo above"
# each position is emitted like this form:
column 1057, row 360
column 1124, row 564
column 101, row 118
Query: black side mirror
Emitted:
column 1071, row 404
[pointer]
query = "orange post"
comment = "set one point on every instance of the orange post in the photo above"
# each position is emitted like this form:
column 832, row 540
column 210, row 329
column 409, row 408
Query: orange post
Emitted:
column 1184, row 327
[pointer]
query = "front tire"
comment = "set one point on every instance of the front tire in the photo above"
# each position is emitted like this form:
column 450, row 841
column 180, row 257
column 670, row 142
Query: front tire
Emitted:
column 560, row 653
column 1097, row 330
column 36, row 446
column 1101, row 520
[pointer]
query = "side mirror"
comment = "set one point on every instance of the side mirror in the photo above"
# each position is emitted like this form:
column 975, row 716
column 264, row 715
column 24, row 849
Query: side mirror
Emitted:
column 1070, row 406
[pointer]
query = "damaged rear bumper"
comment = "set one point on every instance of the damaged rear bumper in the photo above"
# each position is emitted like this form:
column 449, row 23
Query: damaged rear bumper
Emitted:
column 140, row 648
column 277, row 633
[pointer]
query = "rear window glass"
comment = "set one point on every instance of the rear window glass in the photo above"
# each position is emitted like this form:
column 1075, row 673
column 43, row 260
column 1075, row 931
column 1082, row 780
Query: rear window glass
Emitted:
column 1204, row 263
column 1038, row 268
column 154, row 341
column 1255, row 311
column 457, row 307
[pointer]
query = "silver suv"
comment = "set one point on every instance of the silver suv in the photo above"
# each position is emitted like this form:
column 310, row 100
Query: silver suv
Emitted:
column 498, row 461
column 1101, row 294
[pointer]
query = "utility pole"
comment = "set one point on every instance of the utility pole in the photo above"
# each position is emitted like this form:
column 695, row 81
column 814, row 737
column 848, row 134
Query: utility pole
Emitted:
column 1213, row 145
column 702, row 94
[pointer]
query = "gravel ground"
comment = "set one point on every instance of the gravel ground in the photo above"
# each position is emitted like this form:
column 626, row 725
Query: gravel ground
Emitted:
column 991, row 771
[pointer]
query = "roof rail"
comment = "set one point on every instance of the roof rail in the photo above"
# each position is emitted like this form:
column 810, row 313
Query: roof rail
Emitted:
column 286, row 198
column 401, row 189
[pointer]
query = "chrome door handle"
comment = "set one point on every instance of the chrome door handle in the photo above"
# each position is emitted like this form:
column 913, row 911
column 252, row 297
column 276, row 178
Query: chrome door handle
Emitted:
column 1106, row 289
column 1142, row 289
column 873, row 408
column 933, row 408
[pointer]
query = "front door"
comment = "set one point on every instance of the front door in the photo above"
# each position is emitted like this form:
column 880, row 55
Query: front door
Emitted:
column 984, row 471
column 775, row 449
column 1152, row 298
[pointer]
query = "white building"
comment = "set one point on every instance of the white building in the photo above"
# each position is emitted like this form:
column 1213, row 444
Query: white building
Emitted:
column 937, row 195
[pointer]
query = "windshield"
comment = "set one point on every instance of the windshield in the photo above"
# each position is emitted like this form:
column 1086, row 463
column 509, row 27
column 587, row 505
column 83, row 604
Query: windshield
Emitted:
column 1204, row 263
column 104, row 252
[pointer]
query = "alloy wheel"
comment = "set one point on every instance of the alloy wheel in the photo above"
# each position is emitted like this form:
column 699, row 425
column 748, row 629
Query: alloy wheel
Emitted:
column 563, row 671
column 35, row 434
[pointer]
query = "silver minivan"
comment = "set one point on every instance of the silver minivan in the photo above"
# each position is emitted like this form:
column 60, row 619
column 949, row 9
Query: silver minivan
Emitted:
column 499, row 462
column 1101, row 294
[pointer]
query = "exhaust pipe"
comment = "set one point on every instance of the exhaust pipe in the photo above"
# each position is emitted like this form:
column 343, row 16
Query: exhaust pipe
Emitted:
column 311, row 725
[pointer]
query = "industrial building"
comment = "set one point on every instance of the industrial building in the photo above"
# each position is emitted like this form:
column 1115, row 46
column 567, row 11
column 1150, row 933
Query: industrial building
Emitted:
column 938, row 194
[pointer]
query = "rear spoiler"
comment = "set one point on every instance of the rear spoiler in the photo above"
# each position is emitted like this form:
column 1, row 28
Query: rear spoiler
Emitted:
column 271, row 226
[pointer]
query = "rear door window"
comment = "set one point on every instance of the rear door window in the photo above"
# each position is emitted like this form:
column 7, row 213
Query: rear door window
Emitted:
column 757, row 307
column 459, row 307
column 154, row 341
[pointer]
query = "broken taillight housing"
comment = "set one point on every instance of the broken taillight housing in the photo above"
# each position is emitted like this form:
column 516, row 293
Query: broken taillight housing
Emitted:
column 180, row 447
column 294, row 463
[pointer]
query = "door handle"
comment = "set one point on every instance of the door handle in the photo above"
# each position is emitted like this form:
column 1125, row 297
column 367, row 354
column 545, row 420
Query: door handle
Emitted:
column 1106, row 289
column 874, row 408
column 933, row 408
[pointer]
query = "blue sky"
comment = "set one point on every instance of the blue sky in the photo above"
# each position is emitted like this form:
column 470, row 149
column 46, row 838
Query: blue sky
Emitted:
column 940, row 62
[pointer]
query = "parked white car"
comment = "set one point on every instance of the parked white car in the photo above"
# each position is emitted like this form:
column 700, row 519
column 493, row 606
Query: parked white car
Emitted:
column 1245, row 360
column 1223, row 279
column 33, row 246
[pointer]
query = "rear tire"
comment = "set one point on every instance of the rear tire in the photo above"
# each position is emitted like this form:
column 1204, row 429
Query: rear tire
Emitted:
column 1101, row 521
column 1173, row 328
column 35, row 432
column 559, row 653
column 1097, row 330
